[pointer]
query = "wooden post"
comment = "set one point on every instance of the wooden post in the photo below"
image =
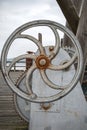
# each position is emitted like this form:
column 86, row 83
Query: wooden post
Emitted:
column 82, row 34
column 69, row 11
column 78, row 5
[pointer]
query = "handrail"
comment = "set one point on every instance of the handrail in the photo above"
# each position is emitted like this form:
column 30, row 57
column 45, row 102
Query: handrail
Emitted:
column 21, row 65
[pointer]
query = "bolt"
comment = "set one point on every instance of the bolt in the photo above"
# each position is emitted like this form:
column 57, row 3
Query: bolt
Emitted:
column 33, row 96
column 51, row 48
column 42, row 62
column 46, row 106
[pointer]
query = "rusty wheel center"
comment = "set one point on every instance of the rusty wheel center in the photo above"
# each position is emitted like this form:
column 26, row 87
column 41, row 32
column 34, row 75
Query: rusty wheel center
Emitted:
column 42, row 62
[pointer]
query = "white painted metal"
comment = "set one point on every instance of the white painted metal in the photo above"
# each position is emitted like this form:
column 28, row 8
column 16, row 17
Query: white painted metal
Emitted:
column 32, row 96
column 68, row 113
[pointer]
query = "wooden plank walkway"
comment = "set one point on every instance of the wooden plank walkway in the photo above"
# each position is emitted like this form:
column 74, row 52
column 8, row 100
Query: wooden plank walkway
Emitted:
column 9, row 118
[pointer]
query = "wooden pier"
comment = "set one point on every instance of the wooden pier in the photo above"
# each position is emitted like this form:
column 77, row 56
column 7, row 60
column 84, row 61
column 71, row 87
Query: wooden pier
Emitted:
column 9, row 117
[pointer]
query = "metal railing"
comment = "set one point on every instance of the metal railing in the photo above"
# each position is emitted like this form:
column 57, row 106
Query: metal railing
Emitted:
column 21, row 65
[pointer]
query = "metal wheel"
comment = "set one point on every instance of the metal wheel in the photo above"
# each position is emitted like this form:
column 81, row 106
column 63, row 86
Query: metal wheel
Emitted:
column 42, row 61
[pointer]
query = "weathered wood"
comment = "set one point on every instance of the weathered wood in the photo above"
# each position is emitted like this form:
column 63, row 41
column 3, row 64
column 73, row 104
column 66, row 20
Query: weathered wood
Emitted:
column 9, row 117
column 70, row 13
column 81, row 29
column 82, row 34
column 78, row 6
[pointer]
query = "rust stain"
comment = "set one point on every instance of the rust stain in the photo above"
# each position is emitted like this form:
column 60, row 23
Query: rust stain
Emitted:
column 46, row 106
column 51, row 48
column 45, row 58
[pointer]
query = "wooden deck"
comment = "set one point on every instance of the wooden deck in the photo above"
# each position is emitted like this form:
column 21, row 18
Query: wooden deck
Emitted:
column 9, row 118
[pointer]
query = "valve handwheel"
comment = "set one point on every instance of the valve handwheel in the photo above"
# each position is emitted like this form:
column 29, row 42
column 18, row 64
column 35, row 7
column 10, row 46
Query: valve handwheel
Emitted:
column 42, row 61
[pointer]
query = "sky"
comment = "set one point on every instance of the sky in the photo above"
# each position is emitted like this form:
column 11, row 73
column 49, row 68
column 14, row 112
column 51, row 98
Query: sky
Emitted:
column 14, row 13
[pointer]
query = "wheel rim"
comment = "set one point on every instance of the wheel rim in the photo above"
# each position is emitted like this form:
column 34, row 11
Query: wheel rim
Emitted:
column 17, row 34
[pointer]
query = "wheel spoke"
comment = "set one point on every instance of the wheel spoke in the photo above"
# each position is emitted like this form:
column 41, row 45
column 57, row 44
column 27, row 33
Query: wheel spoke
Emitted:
column 28, row 76
column 57, row 43
column 18, row 59
column 64, row 66
column 48, row 82
column 37, row 42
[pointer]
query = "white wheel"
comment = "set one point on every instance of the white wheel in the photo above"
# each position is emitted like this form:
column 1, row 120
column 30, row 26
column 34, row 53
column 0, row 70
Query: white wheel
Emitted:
column 42, row 61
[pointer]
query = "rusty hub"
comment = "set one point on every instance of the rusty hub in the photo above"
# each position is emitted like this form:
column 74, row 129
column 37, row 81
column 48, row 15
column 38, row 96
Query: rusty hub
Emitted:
column 42, row 62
